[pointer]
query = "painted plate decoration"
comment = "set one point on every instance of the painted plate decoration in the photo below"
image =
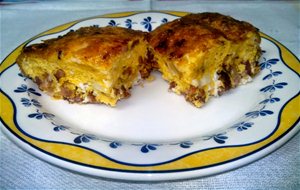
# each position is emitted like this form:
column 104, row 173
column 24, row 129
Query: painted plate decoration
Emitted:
column 154, row 135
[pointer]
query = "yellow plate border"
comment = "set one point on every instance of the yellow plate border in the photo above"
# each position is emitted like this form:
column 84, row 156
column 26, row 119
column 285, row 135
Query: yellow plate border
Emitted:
column 289, row 119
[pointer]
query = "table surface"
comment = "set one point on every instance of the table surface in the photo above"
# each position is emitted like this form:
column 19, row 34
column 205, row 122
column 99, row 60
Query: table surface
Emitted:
column 20, row 20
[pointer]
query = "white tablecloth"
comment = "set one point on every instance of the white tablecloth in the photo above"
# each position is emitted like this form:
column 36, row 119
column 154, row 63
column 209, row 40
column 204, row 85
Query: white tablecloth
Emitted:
column 21, row 21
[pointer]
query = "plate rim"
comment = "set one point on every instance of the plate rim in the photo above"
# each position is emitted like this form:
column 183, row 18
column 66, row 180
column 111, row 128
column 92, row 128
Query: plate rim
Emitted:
column 124, row 176
column 6, row 63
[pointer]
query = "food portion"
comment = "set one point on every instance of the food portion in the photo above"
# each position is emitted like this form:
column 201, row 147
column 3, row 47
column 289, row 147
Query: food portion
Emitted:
column 89, row 65
column 200, row 55
column 203, row 55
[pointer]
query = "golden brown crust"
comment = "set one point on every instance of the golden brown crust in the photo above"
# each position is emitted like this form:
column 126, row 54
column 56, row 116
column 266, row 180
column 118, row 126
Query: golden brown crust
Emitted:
column 229, row 27
column 89, row 45
column 197, row 32
column 89, row 65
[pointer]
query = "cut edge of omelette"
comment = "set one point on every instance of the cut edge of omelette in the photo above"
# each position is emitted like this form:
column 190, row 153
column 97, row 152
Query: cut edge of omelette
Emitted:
column 89, row 65
column 206, row 54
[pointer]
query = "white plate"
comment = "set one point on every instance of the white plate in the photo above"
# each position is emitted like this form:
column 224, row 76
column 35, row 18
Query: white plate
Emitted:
column 154, row 135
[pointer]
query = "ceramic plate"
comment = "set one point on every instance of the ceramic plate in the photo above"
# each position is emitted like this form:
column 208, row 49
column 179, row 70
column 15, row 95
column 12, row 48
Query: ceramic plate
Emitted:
column 155, row 134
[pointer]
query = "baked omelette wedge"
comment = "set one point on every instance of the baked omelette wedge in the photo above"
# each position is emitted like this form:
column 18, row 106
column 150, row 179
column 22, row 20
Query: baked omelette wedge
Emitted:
column 89, row 65
column 203, row 55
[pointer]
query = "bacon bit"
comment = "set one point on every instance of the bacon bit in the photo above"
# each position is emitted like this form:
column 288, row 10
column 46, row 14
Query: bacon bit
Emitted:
column 147, row 64
column 174, row 54
column 134, row 43
column 195, row 94
column 35, row 47
column 59, row 54
column 45, row 83
column 151, row 61
column 141, row 60
column 91, row 97
column 127, row 71
column 105, row 56
column 235, row 76
column 65, row 91
column 162, row 45
column 38, row 81
column 59, row 74
column 116, row 92
column 192, row 90
column 225, row 78
column 76, row 99
column 122, row 92
column 172, row 85
column 125, row 92
column 248, row 68
column 180, row 43
column 169, row 32
column 236, row 79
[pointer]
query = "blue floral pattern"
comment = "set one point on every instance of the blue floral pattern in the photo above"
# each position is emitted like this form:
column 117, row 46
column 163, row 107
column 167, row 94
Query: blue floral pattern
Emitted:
column 186, row 144
column 28, row 102
column 243, row 126
column 115, row 144
column 112, row 144
column 164, row 20
column 147, row 23
column 58, row 128
column 23, row 76
column 40, row 115
column 129, row 23
column 84, row 138
column 272, row 74
column 218, row 138
column 270, row 100
column 257, row 113
column 23, row 88
column 267, row 64
column 273, row 87
column 113, row 23
column 145, row 148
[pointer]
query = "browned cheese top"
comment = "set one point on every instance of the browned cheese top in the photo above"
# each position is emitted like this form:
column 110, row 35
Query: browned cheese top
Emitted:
column 88, row 45
column 197, row 32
